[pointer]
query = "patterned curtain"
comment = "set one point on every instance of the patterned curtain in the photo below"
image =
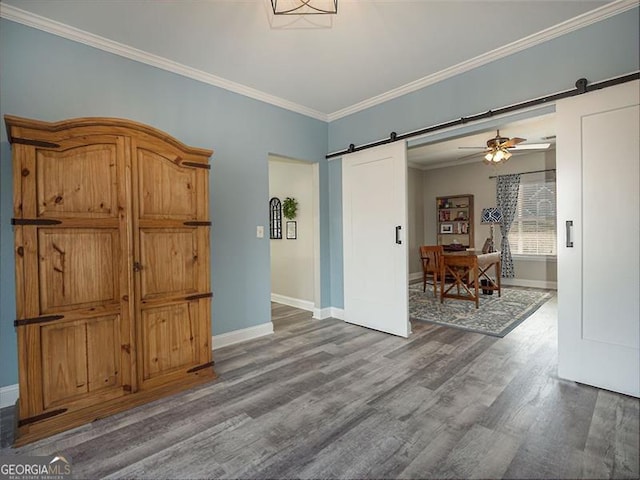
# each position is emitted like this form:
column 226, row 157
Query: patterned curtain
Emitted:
column 507, row 187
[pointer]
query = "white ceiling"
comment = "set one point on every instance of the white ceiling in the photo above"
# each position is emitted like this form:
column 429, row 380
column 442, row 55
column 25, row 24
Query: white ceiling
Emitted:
column 369, row 52
column 371, row 48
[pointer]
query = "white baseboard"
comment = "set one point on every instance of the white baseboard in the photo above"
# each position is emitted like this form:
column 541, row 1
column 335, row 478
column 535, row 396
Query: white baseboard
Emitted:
column 293, row 302
column 8, row 395
column 415, row 276
column 522, row 282
column 328, row 312
column 242, row 335
column 321, row 313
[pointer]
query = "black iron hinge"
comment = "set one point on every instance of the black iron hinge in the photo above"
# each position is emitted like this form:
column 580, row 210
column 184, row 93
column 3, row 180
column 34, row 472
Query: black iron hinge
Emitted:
column 29, row 321
column 43, row 416
column 35, row 221
column 35, row 143
column 199, row 295
column 201, row 367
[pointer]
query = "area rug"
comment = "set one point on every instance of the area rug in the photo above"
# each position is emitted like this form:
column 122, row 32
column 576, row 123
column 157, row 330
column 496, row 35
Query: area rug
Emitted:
column 496, row 316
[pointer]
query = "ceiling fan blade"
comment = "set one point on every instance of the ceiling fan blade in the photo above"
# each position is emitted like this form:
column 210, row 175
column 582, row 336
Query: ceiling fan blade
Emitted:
column 472, row 148
column 531, row 146
column 471, row 155
column 513, row 141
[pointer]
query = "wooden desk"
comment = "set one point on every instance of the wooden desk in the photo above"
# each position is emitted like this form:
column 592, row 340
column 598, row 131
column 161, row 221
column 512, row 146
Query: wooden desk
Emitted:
column 467, row 269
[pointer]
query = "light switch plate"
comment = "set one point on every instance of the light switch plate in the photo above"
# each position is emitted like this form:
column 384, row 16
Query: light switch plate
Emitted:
column 259, row 231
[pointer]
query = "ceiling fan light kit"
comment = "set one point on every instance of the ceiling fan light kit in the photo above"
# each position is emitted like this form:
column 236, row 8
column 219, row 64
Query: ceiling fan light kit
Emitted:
column 304, row 7
column 496, row 156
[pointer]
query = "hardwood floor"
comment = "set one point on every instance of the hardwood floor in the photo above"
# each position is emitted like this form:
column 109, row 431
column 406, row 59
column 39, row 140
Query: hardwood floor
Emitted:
column 326, row 399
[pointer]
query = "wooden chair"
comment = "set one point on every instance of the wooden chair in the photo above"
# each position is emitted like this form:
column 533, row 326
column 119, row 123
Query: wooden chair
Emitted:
column 462, row 268
column 431, row 256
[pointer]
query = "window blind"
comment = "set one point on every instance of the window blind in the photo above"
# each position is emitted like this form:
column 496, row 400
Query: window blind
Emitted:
column 534, row 229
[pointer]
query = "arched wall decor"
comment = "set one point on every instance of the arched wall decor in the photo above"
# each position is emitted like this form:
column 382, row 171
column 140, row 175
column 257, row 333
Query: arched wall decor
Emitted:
column 275, row 219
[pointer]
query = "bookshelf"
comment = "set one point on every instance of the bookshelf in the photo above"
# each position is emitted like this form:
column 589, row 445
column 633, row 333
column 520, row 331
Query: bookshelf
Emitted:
column 454, row 228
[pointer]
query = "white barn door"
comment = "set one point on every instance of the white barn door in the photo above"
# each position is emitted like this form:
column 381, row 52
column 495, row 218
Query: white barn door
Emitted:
column 374, row 212
column 598, row 178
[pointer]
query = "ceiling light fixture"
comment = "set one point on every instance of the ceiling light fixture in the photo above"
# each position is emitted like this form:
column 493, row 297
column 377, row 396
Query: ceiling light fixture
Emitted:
column 497, row 155
column 304, row 7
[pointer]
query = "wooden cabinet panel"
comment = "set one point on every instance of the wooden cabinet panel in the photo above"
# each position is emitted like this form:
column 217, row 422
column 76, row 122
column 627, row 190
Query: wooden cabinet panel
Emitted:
column 78, row 182
column 78, row 267
column 64, row 362
column 166, row 189
column 169, row 260
column 113, row 296
column 103, row 352
column 169, row 338
column 78, row 358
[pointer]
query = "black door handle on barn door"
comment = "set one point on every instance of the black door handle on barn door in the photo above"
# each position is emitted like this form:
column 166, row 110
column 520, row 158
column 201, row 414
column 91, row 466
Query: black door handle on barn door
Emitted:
column 398, row 241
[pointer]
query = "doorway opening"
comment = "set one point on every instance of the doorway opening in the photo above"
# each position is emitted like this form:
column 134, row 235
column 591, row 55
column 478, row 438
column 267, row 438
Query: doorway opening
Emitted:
column 295, row 254
column 453, row 165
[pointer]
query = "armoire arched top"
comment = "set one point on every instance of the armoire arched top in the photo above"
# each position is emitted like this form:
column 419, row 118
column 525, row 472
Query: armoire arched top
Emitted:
column 19, row 128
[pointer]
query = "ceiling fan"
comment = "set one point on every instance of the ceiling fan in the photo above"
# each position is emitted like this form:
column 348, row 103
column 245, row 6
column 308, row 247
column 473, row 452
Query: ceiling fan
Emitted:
column 499, row 149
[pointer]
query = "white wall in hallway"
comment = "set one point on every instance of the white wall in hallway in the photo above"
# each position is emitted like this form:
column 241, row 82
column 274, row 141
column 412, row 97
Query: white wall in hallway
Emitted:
column 292, row 262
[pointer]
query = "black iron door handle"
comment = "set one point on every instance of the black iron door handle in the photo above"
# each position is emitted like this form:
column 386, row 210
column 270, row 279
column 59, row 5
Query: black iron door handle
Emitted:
column 398, row 241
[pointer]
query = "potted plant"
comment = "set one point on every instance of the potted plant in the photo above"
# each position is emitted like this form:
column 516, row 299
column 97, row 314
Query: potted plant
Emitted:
column 290, row 208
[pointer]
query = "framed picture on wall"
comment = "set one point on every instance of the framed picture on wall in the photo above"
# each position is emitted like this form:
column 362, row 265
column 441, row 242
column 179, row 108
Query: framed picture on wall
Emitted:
column 292, row 230
column 446, row 228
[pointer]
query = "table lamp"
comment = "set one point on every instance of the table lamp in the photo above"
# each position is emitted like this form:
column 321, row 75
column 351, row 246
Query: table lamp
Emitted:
column 491, row 215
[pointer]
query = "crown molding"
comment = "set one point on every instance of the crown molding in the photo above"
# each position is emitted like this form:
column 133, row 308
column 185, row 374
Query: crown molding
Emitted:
column 29, row 19
column 586, row 19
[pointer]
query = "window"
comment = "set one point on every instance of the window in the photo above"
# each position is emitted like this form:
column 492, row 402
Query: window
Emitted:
column 534, row 228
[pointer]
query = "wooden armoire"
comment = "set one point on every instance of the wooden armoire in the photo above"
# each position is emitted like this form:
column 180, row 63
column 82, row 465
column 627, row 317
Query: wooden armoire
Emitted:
column 113, row 298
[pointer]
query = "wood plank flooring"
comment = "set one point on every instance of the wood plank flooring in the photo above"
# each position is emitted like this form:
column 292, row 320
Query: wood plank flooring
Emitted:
column 326, row 399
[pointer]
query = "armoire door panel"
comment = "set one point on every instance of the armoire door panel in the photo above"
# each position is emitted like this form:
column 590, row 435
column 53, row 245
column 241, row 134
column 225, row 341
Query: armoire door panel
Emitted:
column 79, row 358
column 64, row 362
column 169, row 338
column 166, row 190
column 78, row 182
column 103, row 353
column 78, row 267
column 169, row 261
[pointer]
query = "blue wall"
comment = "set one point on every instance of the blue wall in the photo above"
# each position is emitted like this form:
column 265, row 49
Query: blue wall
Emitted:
column 600, row 51
column 49, row 78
